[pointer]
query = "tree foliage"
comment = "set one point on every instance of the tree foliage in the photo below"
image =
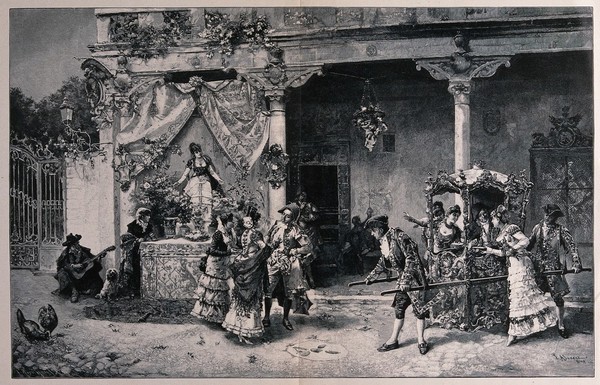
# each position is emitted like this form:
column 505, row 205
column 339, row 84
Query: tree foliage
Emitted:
column 41, row 121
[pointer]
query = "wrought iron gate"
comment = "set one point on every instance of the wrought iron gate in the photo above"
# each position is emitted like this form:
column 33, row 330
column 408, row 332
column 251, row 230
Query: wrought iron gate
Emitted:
column 36, row 209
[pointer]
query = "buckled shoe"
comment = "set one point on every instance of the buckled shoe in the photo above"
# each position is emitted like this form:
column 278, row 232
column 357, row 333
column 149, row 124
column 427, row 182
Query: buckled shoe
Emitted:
column 563, row 333
column 386, row 348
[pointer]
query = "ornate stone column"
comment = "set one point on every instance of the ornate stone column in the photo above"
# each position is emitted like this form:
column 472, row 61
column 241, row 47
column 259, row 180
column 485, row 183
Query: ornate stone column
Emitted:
column 459, row 69
column 462, row 123
column 275, row 79
column 277, row 135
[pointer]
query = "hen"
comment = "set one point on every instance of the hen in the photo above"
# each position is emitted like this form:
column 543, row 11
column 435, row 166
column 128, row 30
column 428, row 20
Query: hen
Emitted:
column 31, row 329
column 47, row 318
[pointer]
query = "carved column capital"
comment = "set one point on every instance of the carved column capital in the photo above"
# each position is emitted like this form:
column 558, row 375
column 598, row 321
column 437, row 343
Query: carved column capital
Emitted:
column 279, row 76
column 461, row 90
column 277, row 98
column 463, row 66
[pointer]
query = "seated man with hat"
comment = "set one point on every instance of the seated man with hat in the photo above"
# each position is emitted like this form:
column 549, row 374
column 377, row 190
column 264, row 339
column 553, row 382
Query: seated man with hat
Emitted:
column 75, row 271
column 400, row 252
column 546, row 241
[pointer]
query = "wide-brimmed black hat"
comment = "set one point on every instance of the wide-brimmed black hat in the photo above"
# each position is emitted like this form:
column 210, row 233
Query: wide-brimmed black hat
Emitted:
column 552, row 209
column 71, row 239
column 293, row 207
column 380, row 221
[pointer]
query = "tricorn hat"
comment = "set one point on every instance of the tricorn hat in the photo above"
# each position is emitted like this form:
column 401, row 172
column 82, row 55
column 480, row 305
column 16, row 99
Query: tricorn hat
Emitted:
column 71, row 239
column 552, row 209
column 380, row 221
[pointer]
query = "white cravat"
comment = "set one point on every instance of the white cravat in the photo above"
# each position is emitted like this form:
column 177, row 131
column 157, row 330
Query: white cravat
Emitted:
column 385, row 246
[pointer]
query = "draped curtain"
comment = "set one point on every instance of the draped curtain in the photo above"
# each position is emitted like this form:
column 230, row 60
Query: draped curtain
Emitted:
column 233, row 111
column 158, row 109
column 234, row 114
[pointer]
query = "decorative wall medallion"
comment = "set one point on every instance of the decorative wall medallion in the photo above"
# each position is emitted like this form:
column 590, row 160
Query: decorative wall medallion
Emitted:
column 492, row 122
column 275, row 73
column 195, row 61
column 371, row 50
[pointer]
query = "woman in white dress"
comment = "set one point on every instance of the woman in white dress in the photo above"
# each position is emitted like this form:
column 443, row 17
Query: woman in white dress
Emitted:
column 529, row 311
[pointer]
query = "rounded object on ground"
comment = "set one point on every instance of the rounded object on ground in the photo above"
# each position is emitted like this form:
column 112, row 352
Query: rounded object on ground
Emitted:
column 316, row 350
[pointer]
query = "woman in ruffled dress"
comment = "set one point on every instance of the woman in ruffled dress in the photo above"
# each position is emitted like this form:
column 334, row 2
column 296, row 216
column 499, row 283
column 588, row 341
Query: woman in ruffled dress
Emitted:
column 248, row 269
column 529, row 311
column 213, row 291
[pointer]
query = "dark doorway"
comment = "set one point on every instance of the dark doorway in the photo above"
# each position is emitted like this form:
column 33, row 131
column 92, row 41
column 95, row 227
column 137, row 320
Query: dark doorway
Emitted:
column 321, row 186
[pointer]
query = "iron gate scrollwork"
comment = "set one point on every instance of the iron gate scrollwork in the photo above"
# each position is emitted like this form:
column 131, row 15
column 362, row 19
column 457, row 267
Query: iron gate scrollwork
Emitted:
column 36, row 206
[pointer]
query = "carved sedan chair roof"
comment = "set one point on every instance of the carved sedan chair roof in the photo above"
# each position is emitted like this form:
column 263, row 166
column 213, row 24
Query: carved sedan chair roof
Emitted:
column 326, row 36
column 477, row 180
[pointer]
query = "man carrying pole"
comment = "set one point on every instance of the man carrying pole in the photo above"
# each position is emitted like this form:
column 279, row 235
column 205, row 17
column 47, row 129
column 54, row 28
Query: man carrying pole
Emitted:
column 546, row 241
column 400, row 252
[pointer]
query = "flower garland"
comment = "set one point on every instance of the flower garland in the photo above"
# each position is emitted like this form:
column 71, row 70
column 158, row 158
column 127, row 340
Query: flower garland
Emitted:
column 223, row 33
column 147, row 41
column 154, row 156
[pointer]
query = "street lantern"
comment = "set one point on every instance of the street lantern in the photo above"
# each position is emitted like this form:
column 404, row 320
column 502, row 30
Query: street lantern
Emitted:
column 66, row 112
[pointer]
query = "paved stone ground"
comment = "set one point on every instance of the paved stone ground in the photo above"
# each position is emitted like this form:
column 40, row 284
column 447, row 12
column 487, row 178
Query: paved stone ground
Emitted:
column 358, row 320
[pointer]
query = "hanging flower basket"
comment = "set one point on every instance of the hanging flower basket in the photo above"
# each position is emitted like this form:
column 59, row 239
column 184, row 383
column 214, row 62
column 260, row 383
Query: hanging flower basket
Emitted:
column 369, row 118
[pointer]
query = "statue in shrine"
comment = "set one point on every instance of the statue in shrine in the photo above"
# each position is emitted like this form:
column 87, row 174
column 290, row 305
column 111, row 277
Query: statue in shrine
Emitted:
column 202, row 181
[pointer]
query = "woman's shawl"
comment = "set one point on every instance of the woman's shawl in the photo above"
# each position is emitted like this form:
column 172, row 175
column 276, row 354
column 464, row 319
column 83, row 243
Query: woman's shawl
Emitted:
column 248, row 279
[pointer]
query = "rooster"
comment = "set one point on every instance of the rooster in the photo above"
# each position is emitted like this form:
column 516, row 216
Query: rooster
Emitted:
column 47, row 318
column 31, row 329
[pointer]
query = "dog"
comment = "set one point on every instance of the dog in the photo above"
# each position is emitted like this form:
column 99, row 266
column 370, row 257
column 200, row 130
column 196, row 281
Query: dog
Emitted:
column 110, row 289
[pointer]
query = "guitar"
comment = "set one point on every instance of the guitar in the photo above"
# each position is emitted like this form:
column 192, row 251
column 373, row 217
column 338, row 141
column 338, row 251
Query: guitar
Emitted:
column 80, row 271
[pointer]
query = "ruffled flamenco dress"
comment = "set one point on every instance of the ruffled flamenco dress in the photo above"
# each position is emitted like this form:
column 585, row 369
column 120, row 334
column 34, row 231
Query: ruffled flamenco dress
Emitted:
column 213, row 291
column 529, row 310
